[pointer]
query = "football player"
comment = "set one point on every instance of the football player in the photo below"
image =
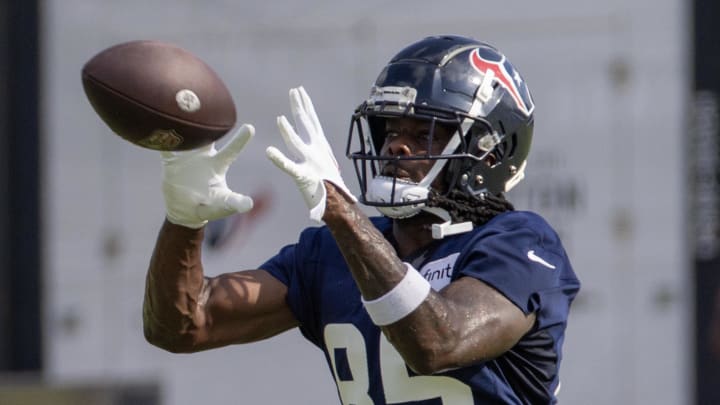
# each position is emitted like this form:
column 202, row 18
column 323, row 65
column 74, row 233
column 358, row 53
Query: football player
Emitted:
column 449, row 296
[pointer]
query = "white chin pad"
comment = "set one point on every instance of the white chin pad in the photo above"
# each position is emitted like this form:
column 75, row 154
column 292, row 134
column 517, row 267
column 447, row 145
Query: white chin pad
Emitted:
column 380, row 191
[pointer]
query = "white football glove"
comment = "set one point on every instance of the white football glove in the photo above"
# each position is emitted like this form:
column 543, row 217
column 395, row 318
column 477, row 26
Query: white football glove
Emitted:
column 313, row 159
column 194, row 184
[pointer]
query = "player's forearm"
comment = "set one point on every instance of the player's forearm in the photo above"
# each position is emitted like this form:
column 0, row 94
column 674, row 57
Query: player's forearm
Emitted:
column 373, row 261
column 424, row 335
column 173, row 288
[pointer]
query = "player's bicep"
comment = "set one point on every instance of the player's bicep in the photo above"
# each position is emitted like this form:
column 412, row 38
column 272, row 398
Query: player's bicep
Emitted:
column 489, row 322
column 245, row 306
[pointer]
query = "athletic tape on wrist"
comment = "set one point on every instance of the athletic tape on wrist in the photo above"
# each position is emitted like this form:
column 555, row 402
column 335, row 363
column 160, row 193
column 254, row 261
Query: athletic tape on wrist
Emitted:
column 399, row 302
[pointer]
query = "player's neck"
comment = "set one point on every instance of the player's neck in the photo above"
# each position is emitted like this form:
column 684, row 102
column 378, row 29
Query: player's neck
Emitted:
column 414, row 233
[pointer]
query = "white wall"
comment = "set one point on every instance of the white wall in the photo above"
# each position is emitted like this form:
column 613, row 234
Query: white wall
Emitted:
column 610, row 81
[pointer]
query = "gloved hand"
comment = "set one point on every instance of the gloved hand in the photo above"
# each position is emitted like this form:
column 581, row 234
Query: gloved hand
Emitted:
column 313, row 159
column 194, row 184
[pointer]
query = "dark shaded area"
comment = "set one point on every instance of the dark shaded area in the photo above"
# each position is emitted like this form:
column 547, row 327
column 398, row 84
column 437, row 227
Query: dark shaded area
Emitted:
column 20, row 224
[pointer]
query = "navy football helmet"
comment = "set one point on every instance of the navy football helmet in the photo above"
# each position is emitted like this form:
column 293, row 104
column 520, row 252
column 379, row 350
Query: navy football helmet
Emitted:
column 465, row 85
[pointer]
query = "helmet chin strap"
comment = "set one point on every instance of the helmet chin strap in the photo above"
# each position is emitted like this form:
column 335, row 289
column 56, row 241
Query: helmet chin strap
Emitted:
column 446, row 228
column 389, row 189
column 381, row 190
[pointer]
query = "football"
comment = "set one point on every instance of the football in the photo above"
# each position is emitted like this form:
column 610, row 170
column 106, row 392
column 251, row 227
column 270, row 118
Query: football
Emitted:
column 158, row 95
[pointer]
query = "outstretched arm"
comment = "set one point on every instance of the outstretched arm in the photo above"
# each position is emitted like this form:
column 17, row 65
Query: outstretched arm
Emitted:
column 183, row 310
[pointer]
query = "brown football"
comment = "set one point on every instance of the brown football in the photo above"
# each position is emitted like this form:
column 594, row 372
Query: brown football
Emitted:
column 158, row 96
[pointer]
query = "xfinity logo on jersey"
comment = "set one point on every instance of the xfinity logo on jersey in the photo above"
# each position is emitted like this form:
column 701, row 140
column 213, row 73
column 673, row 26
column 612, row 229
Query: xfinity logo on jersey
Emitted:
column 439, row 272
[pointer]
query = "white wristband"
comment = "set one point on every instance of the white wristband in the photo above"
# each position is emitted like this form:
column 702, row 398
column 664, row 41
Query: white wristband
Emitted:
column 399, row 302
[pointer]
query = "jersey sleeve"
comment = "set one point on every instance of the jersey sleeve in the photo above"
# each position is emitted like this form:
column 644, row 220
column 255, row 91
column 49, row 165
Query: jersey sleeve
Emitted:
column 318, row 280
column 293, row 266
column 525, row 261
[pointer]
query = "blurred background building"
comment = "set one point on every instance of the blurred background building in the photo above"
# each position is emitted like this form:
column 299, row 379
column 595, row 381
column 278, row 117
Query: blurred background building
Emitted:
column 624, row 165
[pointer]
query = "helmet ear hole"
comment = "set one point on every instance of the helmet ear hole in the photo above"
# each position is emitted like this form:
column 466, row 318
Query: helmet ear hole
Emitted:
column 513, row 144
column 501, row 151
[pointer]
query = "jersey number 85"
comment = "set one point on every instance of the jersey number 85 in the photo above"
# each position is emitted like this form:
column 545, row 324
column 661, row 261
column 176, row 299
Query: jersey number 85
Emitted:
column 398, row 385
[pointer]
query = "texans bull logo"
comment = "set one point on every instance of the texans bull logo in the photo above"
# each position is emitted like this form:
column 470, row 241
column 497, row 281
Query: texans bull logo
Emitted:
column 484, row 59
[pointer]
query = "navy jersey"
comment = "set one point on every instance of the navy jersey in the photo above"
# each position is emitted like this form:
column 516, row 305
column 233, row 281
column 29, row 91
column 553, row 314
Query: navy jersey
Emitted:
column 516, row 252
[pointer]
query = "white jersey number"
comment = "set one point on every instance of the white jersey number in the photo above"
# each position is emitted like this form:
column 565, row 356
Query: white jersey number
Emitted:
column 399, row 386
